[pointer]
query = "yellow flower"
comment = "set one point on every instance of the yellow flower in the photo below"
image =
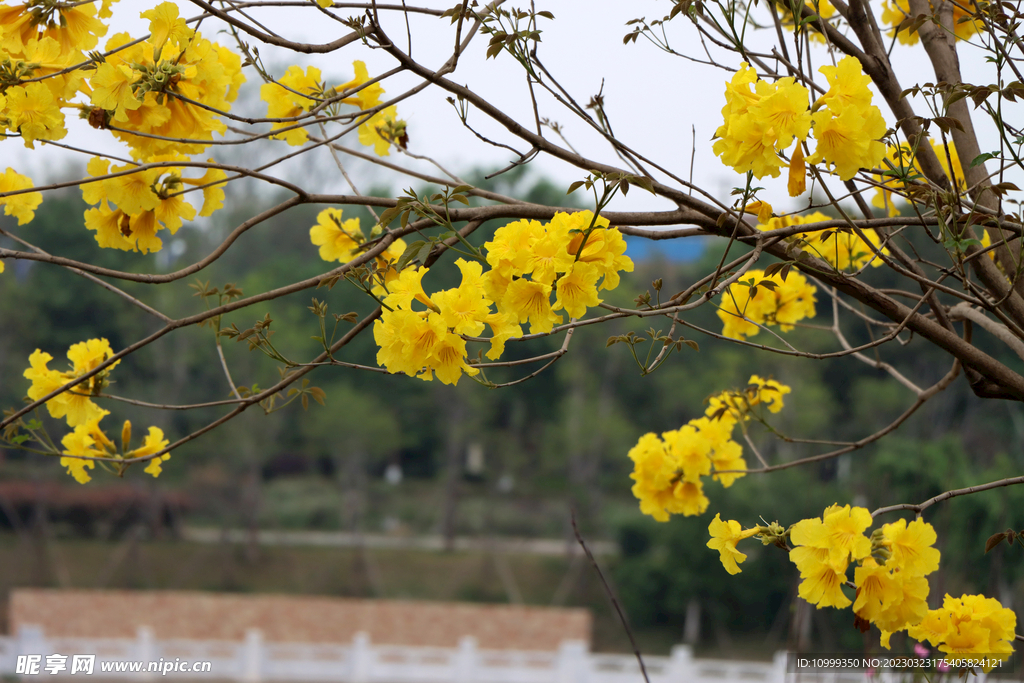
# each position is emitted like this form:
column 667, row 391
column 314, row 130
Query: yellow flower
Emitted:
column 87, row 440
column 911, row 546
column 782, row 302
column 690, row 450
column 549, row 257
column 848, row 85
column 783, row 106
column 380, row 129
column 112, row 90
column 35, row 113
column 660, row 484
column 75, row 28
column 724, row 537
column 654, row 471
column 509, row 252
column 448, row 360
column 605, row 248
column 407, row 339
column 688, row 498
column 842, row 248
column 74, row 404
column 797, row 172
column 965, row 25
column 823, row 586
column 840, row 530
column 758, row 124
column 504, row 326
column 406, row 288
column 530, row 301
column 170, row 70
column 969, row 625
column 464, row 308
column 87, row 355
column 294, row 93
column 21, row 206
column 165, row 24
column 821, row 8
column 908, row 609
column 763, row 210
column 577, row 290
column 153, row 443
column 147, row 201
column 849, row 128
column 725, row 457
column 337, row 239
column 876, row 589
column 172, row 210
column 110, row 226
column 849, row 140
column 213, row 190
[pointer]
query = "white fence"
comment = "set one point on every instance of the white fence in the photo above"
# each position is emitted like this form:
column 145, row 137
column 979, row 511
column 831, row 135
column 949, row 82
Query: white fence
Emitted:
column 360, row 661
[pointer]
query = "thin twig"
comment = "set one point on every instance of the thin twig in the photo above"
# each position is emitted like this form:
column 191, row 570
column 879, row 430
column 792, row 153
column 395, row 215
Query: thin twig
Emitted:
column 611, row 596
column 921, row 507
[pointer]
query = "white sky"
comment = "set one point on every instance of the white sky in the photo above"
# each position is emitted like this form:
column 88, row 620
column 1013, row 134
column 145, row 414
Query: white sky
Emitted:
column 653, row 98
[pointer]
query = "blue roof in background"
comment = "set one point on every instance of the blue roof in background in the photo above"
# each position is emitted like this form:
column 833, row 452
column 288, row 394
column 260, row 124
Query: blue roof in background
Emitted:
column 676, row 251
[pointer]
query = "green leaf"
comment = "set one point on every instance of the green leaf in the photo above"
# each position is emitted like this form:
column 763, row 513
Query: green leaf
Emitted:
column 409, row 254
column 389, row 215
column 424, row 252
column 982, row 158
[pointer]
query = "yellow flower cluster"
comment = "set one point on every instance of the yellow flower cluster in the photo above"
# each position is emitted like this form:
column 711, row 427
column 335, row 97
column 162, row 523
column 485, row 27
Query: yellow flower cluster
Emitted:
column 843, row 248
column 76, row 406
column 894, row 12
column 969, row 625
column 144, row 202
column 735, row 406
column 668, row 469
column 296, row 93
column 848, row 127
column 759, row 299
column 162, row 96
column 88, row 442
column 73, row 26
column 763, row 122
column 39, row 40
column 529, row 261
column 890, row 583
column 169, row 86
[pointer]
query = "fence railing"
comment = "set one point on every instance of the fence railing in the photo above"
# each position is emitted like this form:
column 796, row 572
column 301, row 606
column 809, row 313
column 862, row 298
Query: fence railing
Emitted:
column 253, row 660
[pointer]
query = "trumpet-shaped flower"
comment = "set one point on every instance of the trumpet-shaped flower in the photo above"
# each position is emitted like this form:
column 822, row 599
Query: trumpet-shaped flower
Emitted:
column 531, row 301
column 724, row 537
column 21, row 206
column 911, row 546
